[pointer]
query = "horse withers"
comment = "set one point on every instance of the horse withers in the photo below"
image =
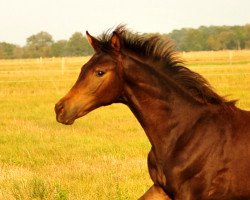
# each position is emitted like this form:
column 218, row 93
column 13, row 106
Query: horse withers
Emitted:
column 200, row 141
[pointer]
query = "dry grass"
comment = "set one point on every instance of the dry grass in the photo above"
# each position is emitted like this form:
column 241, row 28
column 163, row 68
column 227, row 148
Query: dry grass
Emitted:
column 217, row 57
column 103, row 155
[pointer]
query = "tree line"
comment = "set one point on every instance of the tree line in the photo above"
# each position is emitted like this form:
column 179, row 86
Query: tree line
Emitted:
column 43, row 45
column 212, row 38
column 204, row 38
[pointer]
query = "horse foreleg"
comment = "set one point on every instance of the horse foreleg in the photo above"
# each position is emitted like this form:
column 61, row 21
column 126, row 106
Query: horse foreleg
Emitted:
column 155, row 193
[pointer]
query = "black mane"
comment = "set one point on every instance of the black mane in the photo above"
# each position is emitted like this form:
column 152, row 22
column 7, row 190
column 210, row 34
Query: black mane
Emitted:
column 161, row 51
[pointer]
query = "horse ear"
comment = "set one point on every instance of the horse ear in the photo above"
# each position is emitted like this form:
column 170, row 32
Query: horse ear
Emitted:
column 116, row 42
column 93, row 41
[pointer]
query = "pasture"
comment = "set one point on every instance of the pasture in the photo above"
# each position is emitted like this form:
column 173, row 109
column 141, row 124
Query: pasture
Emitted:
column 102, row 155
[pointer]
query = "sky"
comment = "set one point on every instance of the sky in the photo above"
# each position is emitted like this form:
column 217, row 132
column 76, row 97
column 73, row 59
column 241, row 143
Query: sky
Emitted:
column 20, row 19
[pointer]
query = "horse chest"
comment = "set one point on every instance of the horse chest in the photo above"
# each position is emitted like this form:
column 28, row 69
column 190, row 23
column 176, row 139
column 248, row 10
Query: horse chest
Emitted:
column 155, row 169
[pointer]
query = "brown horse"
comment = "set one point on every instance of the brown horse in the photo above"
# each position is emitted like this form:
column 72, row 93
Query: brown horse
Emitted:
column 200, row 142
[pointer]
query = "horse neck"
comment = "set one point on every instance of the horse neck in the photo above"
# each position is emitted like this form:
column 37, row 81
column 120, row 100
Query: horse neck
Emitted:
column 160, row 108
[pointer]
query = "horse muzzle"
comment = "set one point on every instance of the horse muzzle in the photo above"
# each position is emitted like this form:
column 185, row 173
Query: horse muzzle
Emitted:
column 62, row 115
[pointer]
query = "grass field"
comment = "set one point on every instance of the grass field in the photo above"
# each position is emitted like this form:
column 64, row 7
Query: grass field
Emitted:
column 101, row 156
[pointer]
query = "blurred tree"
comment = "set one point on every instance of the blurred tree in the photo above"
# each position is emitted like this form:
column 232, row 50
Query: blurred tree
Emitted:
column 78, row 45
column 7, row 50
column 39, row 45
column 18, row 52
column 247, row 36
column 59, row 48
column 212, row 38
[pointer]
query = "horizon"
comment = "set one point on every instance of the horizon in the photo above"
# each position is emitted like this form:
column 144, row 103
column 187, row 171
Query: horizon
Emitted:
column 21, row 19
column 22, row 45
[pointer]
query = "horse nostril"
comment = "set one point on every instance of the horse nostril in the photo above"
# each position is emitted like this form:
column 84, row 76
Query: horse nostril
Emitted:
column 59, row 108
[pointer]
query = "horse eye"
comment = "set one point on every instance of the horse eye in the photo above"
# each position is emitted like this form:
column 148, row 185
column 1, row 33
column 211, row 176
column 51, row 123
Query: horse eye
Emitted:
column 100, row 73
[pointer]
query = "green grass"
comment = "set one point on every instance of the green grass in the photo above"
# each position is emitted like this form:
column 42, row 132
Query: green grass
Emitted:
column 102, row 156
